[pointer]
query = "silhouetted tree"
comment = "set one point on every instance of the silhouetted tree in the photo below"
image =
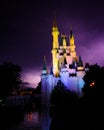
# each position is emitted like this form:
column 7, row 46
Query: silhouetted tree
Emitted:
column 91, row 103
column 63, row 108
column 61, row 96
column 38, row 88
column 10, row 78
column 94, row 81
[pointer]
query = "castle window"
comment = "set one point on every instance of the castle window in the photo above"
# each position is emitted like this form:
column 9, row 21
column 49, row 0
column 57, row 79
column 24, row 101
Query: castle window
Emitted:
column 68, row 54
column 72, row 74
column 61, row 53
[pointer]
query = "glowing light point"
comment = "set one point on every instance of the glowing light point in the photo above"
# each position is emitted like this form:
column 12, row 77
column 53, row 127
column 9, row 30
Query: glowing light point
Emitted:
column 92, row 84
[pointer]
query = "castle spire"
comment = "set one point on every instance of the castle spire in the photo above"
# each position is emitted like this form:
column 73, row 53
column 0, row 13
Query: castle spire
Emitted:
column 71, row 36
column 54, row 22
column 51, row 70
column 72, row 44
column 55, row 44
column 44, row 64
column 63, row 41
column 44, row 68
column 71, row 32
column 80, row 62
column 80, row 66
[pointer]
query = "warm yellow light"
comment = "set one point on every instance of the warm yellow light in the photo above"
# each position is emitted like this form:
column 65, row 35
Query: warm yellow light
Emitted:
column 92, row 84
column 55, row 34
column 72, row 40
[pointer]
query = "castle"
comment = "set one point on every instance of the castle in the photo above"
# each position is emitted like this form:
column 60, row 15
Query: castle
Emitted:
column 66, row 65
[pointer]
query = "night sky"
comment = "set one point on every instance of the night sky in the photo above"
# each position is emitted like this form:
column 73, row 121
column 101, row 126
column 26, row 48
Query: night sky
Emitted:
column 26, row 26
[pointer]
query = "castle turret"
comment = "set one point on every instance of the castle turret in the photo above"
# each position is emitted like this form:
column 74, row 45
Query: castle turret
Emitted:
column 72, row 45
column 62, row 50
column 45, row 97
column 63, row 41
column 87, row 67
column 44, row 68
column 51, row 79
column 44, row 85
column 55, row 34
column 80, row 66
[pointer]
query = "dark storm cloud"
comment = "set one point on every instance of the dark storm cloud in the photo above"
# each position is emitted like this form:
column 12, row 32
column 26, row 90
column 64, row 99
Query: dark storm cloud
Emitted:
column 25, row 30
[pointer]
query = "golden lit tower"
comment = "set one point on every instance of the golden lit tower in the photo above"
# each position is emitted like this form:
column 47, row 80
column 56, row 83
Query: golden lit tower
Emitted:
column 55, row 34
column 72, row 45
column 64, row 43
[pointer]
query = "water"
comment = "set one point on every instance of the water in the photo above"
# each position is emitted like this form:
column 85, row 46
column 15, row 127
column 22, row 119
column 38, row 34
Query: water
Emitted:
column 13, row 117
column 32, row 120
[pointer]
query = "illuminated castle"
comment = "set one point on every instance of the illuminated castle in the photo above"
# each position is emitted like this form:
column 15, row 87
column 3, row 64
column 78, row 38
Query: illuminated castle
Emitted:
column 66, row 65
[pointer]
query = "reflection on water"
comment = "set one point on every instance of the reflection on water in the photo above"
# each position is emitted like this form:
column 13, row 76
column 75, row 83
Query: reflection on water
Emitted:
column 31, row 122
column 45, row 119
column 13, row 117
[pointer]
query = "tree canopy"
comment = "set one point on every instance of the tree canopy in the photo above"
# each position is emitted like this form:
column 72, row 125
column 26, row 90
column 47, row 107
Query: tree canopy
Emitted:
column 10, row 78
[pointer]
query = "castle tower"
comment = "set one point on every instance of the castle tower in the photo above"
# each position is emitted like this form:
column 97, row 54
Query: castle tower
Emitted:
column 55, row 47
column 62, row 51
column 44, row 76
column 66, row 66
column 72, row 45
column 63, row 41
column 80, row 68
column 80, row 75
column 46, row 91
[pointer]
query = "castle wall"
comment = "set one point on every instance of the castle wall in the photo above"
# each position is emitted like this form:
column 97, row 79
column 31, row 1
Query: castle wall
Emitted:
column 72, row 83
column 44, row 90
